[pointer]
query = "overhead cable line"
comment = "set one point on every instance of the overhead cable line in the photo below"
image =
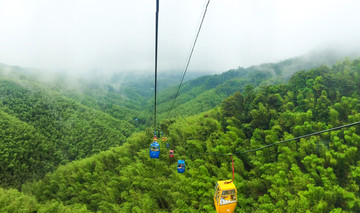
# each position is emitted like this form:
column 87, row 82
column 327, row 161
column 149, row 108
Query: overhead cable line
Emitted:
column 280, row 142
column 304, row 136
column 189, row 58
column 156, row 54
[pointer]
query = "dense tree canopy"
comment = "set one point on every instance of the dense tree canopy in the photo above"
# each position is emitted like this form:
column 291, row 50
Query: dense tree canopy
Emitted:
column 317, row 174
column 41, row 128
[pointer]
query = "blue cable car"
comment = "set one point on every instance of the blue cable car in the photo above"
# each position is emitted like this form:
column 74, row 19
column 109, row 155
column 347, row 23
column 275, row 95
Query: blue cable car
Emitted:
column 167, row 145
column 154, row 150
column 181, row 166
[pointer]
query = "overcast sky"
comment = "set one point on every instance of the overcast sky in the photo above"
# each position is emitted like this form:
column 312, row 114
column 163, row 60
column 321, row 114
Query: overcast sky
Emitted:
column 118, row 35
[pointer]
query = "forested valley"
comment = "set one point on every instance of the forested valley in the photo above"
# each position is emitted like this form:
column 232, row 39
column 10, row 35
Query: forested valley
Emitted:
column 65, row 151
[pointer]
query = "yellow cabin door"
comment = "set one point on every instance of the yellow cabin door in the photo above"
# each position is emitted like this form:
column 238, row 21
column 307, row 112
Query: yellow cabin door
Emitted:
column 228, row 208
column 222, row 208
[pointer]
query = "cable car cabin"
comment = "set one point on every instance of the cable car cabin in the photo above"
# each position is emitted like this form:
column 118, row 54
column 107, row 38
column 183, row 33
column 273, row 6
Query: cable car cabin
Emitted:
column 171, row 153
column 225, row 196
column 181, row 166
column 167, row 145
column 163, row 138
column 154, row 150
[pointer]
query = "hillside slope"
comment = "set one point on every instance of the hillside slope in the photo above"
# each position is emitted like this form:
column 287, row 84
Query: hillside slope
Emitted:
column 206, row 92
column 43, row 128
column 25, row 153
column 317, row 174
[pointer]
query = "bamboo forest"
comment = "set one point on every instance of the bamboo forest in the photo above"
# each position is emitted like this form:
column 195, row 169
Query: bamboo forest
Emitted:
column 96, row 118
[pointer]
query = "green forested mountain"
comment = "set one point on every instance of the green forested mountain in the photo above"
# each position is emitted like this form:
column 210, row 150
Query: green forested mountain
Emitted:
column 77, row 130
column 52, row 120
column 25, row 153
column 124, row 96
column 317, row 174
column 42, row 128
column 129, row 96
column 206, row 92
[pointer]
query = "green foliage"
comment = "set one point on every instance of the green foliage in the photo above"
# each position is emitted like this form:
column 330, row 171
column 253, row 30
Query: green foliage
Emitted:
column 13, row 201
column 204, row 93
column 77, row 131
column 25, row 154
column 315, row 174
column 41, row 128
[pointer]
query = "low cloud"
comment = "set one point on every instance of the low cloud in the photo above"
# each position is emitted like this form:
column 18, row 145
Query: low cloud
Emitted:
column 118, row 36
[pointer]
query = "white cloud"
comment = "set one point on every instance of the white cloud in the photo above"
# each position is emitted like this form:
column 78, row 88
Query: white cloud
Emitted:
column 81, row 35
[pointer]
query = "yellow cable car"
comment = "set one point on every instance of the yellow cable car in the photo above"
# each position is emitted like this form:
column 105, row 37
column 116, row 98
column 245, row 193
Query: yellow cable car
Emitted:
column 225, row 196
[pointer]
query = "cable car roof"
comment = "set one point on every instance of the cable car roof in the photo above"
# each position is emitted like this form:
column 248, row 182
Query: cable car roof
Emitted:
column 226, row 186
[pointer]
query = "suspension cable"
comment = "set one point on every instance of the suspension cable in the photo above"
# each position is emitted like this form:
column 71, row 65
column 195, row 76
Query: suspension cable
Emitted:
column 285, row 141
column 189, row 58
column 156, row 55
column 280, row 142
column 296, row 138
column 233, row 173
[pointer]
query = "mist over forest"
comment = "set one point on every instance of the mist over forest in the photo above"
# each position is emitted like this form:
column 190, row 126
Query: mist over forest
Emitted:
column 81, row 144
column 253, row 106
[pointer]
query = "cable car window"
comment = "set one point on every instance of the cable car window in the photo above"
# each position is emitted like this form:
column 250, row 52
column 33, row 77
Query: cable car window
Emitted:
column 216, row 188
column 228, row 192
column 154, row 148
column 217, row 196
column 228, row 196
